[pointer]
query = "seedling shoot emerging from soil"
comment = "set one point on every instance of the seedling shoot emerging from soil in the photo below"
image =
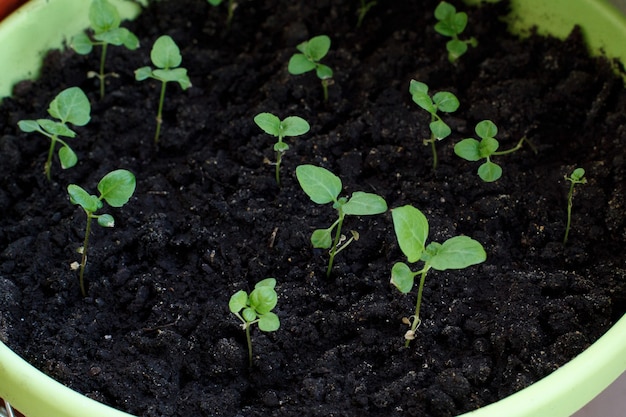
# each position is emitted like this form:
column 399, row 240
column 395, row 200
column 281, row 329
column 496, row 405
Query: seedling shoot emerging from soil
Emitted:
column 165, row 55
column 577, row 177
column 471, row 149
column 451, row 24
column 256, row 308
column 363, row 9
column 311, row 52
column 105, row 23
column 115, row 188
column 411, row 229
column 323, row 187
column 231, row 9
column 69, row 106
column 290, row 126
column 442, row 101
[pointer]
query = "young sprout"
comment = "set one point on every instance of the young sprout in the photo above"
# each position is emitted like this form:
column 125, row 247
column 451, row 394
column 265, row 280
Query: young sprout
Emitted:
column 115, row 188
column 231, row 9
column 451, row 24
column 165, row 55
column 362, row 11
column 471, row 149
column 322, row 186
column 105, row 23
column 69, row 106
column 411, row 229
column 576, row 177
column 442, row 101
column 290, row 126
column 256, row 308
column 311, row 52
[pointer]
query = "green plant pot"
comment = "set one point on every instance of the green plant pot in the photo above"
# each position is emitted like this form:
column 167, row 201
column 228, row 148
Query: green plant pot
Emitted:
column 44, row 24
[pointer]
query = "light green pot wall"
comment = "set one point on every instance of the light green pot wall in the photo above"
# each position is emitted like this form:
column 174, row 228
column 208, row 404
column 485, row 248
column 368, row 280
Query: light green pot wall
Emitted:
column 45, row 24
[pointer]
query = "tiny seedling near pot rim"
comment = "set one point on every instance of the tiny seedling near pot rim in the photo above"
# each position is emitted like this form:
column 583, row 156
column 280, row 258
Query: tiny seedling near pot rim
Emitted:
column 232, row 5
column 471, row 149
column 363, row 9
column 290, row 126
column 451, row 24
column 105, row 23
column 69, row 106
column 411, row 228
column 576, row 177
column 165, row 55
column 308, row 59
column 256, row 308
column 441, row 101
column 115, row 188
column 323, row 187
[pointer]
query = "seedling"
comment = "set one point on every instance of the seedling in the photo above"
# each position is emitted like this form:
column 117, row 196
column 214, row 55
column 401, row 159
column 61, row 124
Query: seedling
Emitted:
column 441, row 101
column 115, row 188
column 471, row 149
column 411, row 227
column 165, row 55
column 311, row 52
column 105, row 23
column 256, row 308
column 576, row 177
column 231, row 9
column 362, row 11
column 69, row 106
column 322, row 186
column 451, row 24
column 290, row 126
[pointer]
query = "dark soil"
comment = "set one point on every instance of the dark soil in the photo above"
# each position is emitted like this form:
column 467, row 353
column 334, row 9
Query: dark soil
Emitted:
column 154, row 337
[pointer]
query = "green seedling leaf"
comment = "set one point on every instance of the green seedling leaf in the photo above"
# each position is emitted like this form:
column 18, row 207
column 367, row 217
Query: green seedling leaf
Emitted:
column 402, row 277
column 315, row 48
column 363, row 204
column 577, row 177
column 323, row 72
column 82, row 44
column 263, row 299
column 452, row 24
column 294, row 126
column 300, row 64
column 446, row 102
column 67, row 157
column 269, row 123
column 71, row 106
column 490, row 171
column 178, row 75
column 458, row 252
column 411, row 228
column 103, row 16
column 269, row 322
column 106, row 220
column 56, row 128
column 143, row 73
column 238, row 301
column 117, row 187
column 321, row 239
column 310, row 53
column 439, row 129
column 79, row 196
column 321, row 185
column 28, row 126
column 165, row 53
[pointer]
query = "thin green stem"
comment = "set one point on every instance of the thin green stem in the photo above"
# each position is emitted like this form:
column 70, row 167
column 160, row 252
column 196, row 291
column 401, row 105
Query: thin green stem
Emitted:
column 325, row 84
column 333, row 249
column 516, row 147
column 159, row 118
column 416, row 318
column 570, row 196
column 83, row 260
column 279, row 156
column 231, row 12
column 102, row 76
column 48, row 164
column 249, row 340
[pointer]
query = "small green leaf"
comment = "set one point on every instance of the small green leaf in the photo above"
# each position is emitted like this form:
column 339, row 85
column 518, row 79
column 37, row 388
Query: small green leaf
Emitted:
column 457, row 253
column 28, row 126
column 143, row 73
column 323, row 72
column 178, row 75
column 263, row 299
column 446, row 101
column 269, row 123
column 267, row 282
column 215, row 2
column 489, row 171
column 294, row 126
column 269, row 322
column 56, row 128
column 82, row 44
column 402, row 277
column 362, row 204
column 79, row 196
column 440, row 129
column 117, row 187
column 71, row 105
column 299, row 64
column 281, row 147
column 423, row 100
column 411, row 228
column 578, row 174
column 67, row 157
column 316, row 48
column 486, row 129
column 106, row 220
column 488, row 146
column 249, row 314
column 321, row 185
column 115, row 36
column 468, row 149
column 444, row 10
column 103, row 16
column 165, row 53
column 417, row 87
column 321, row 239
column 238, row 301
